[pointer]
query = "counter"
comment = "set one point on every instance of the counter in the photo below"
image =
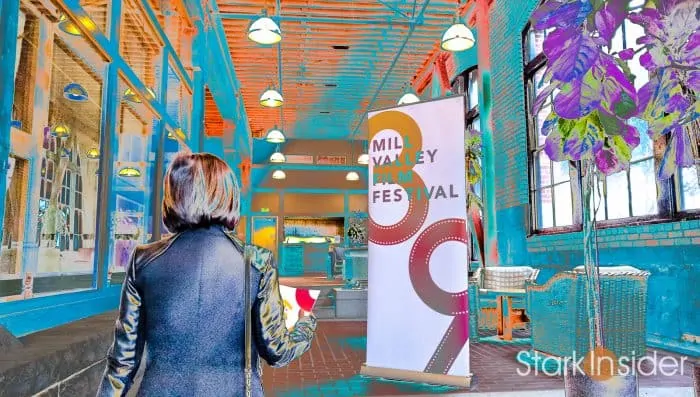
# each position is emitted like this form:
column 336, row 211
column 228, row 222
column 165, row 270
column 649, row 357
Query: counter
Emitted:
column 303, row 259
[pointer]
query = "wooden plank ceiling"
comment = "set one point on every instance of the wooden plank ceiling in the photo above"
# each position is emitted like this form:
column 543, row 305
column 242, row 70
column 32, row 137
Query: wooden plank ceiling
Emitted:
column 334, row 56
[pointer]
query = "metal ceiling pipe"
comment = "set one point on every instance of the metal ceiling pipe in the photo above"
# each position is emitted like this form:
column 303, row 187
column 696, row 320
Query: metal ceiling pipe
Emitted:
column 388, row 72
column 340, row 21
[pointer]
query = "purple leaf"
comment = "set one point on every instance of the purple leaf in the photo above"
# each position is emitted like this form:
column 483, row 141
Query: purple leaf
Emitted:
column 693, row 80
column 627, row 54
column 560, row 14
column 554, row 146
column 543, row 96
column 608, row 19
column 693, row 41
column 583, row 137
column 612, row 155
column 678, row 103
column 570, row 53
column 618, row 94
column 549, row 124
column 678, row 153
column 650, row 19
column 631, row 136
column 574, row 100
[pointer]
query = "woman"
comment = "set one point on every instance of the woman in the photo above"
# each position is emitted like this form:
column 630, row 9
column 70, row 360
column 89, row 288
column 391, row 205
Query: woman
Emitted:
column 183, row 297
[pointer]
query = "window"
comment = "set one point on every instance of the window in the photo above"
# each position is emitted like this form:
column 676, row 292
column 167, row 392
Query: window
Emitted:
column 44, row 251
column 630, row 195
column 140, row 46
column 179, row 99
column 553, row 185
column 132, row 180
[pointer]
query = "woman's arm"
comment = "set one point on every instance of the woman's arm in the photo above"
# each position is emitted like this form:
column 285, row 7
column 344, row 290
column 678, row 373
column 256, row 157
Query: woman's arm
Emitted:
column 125, row 354
column 276, row 344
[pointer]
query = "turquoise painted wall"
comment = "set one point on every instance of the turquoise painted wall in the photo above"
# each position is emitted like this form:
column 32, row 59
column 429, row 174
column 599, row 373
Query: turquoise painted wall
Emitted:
column 670, row 251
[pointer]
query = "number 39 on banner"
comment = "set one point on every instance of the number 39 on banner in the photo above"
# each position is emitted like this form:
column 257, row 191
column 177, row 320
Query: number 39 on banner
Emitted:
column 450, row 229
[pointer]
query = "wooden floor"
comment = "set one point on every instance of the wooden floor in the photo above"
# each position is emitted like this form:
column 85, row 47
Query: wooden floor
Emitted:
column 331, row 368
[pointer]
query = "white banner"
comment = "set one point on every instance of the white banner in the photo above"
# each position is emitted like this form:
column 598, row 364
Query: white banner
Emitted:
column 418, row 316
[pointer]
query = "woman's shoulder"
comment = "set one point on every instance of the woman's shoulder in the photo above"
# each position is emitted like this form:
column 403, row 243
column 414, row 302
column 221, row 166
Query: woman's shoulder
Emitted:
column 146, row 253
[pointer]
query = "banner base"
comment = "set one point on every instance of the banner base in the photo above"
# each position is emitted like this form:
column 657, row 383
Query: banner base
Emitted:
column 416, row 376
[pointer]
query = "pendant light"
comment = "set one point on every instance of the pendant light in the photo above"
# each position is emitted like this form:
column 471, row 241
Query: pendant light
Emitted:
column 457, row 37
column 275, row 136
column 131, row 96
column 75, row 92
column 271, row 98
column 129, row 172
column 60, row 130
column 277, row 156
column 363, row 159
column 279, row 174
column 93, row 154
column 408, row 97
column 265, row 31
column 352, row 176
column 67, row 26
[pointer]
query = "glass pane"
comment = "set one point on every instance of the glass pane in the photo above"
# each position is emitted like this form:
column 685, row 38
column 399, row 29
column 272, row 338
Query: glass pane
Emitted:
column 535, row 41
column 690, row 188
column 544, row 205
column 97, row 10
column 49, row 226
column 561, row 171
column 598, row 198
column 25, row 71
column 473, row 90
column 617, row 196
column 643, row 180
column 637, row 3
column 543, row 171
column 179, row 31
column 132, row 181
column 617, row 43
column 563, row 205
column 179, row 100
column 646, row 145
column 476, row 124
column 140, row 46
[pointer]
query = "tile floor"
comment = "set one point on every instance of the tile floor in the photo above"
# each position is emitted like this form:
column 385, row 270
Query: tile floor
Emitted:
column 331, row 368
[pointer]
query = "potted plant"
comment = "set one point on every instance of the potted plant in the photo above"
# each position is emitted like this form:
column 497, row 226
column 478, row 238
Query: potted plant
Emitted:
column 598, row 114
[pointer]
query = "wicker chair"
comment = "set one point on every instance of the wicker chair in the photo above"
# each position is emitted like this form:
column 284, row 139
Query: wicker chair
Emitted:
column 559, row 317
column 486, row 286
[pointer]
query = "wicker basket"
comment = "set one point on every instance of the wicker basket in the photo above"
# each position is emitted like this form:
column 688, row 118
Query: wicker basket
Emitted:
column 507, row 277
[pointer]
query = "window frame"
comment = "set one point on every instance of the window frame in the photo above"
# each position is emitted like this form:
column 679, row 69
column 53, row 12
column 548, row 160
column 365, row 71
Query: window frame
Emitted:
column 530, row 69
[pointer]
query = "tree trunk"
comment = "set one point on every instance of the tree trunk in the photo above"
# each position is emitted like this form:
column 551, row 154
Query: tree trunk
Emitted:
column 590, row 257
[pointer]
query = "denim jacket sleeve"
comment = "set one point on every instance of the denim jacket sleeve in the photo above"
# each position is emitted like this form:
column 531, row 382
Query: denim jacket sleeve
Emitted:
column 275, row 343
column 125, row 354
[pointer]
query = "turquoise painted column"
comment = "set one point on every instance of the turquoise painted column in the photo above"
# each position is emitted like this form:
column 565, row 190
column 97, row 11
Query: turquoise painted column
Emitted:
column 9, row 16
column 109, row 143
column 487, row 132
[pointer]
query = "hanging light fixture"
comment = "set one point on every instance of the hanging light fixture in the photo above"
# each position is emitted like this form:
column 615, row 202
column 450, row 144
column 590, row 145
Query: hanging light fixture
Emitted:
column 65, row 153
column 75, row 92
column 275, row 136
column 408, row 97
column 457, row 37
column 60, row 130
column 277, row 156
column 265, row 31
column 352, row 176
column 68, row 26
column 93, row 154
column 279, row 174
column 129, row 172
column 131, row 96
column 271, row 98
column 363, row 159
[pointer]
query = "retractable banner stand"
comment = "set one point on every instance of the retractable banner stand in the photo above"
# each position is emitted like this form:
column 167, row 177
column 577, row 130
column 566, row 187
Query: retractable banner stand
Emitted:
column 418, row 319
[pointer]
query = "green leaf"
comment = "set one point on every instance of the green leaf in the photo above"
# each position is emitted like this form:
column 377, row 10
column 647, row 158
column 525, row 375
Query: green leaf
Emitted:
column 610, row 124
column 622, row 149
column 625, row 107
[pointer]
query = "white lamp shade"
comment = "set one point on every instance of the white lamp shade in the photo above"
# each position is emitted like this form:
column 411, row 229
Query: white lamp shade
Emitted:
column 278, row 174
column 265, row 31
column 407, row 98
column 352, row 176
column 363, row 159
column 277, row 157
column 271, row 99
column 275, row 136
column 457, row 37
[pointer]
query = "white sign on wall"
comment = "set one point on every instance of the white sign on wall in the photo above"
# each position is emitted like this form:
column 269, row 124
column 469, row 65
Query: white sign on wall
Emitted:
column 418, row 320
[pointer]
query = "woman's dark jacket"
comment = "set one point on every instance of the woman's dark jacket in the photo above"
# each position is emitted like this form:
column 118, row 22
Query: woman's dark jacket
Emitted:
column 183, row 299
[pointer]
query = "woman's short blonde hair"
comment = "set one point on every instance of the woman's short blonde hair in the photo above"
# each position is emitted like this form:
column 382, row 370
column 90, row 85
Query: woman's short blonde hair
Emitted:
column 200, row 190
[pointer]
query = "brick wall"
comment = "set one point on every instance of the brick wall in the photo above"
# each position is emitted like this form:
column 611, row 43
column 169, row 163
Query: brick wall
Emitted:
column 670, row 251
